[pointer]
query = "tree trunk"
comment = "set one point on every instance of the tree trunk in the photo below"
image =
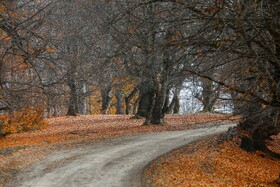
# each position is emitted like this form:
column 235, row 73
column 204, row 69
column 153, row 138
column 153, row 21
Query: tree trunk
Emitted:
column 55, row 113
column 146, row 99
column 129, row 98
column 150, row 96
column 119, row 105
column 158, row 113
column 135, row 106
column 176, row 109
column 171, row 106
column 207, row 95
column 166, row 102
column 73, row 103
column 106, row 95
column 174, row 105
column 260, row 124
column 160, row 99
column 83, row 100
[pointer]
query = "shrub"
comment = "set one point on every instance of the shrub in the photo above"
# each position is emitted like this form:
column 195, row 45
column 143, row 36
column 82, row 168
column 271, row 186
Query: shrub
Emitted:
column 25, row 120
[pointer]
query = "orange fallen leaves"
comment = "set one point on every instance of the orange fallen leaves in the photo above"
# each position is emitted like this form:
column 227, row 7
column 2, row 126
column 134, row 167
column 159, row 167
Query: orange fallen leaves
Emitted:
column 81, row 128
column 205, row 165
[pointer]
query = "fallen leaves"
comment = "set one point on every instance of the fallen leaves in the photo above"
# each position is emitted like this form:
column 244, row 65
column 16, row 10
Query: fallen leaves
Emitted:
column 202, row 164
column 82, row 128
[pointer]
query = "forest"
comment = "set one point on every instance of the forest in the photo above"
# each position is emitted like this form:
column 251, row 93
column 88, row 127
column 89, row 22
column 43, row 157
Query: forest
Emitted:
column 79, row 57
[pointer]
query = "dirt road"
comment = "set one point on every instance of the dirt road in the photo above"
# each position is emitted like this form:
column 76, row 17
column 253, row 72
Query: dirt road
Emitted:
column 117, row 162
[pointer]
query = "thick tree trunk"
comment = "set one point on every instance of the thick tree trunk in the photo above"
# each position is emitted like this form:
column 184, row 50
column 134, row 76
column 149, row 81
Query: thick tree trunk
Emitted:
column 157, row 113
column 208, row 96
column 119, row 104
column 73, row 103
column 106, row 95
column 144, row 103
column 129, row 98
column 160, row 97
column 150, row 103
column 260, row 124
column 174, row 106
column 146, row 99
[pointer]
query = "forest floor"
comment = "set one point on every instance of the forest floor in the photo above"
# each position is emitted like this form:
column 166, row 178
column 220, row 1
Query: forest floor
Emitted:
column 210, row 162
column 19, row 151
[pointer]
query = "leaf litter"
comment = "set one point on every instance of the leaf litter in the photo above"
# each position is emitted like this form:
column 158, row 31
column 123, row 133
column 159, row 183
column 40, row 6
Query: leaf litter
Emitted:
column 206, row 163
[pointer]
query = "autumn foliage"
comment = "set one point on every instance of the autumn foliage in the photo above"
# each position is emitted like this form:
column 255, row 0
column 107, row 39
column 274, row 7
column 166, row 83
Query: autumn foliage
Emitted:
column 23, row 120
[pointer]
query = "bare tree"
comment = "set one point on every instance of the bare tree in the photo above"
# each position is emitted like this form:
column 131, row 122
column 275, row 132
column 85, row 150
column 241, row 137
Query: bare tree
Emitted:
column 23, row 53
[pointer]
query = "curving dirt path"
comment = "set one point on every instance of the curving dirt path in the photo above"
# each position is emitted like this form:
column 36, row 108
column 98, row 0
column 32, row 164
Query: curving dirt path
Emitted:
column 114, row 163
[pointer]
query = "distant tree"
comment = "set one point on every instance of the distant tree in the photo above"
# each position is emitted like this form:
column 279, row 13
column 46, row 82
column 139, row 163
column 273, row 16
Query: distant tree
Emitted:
column 78, row 40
